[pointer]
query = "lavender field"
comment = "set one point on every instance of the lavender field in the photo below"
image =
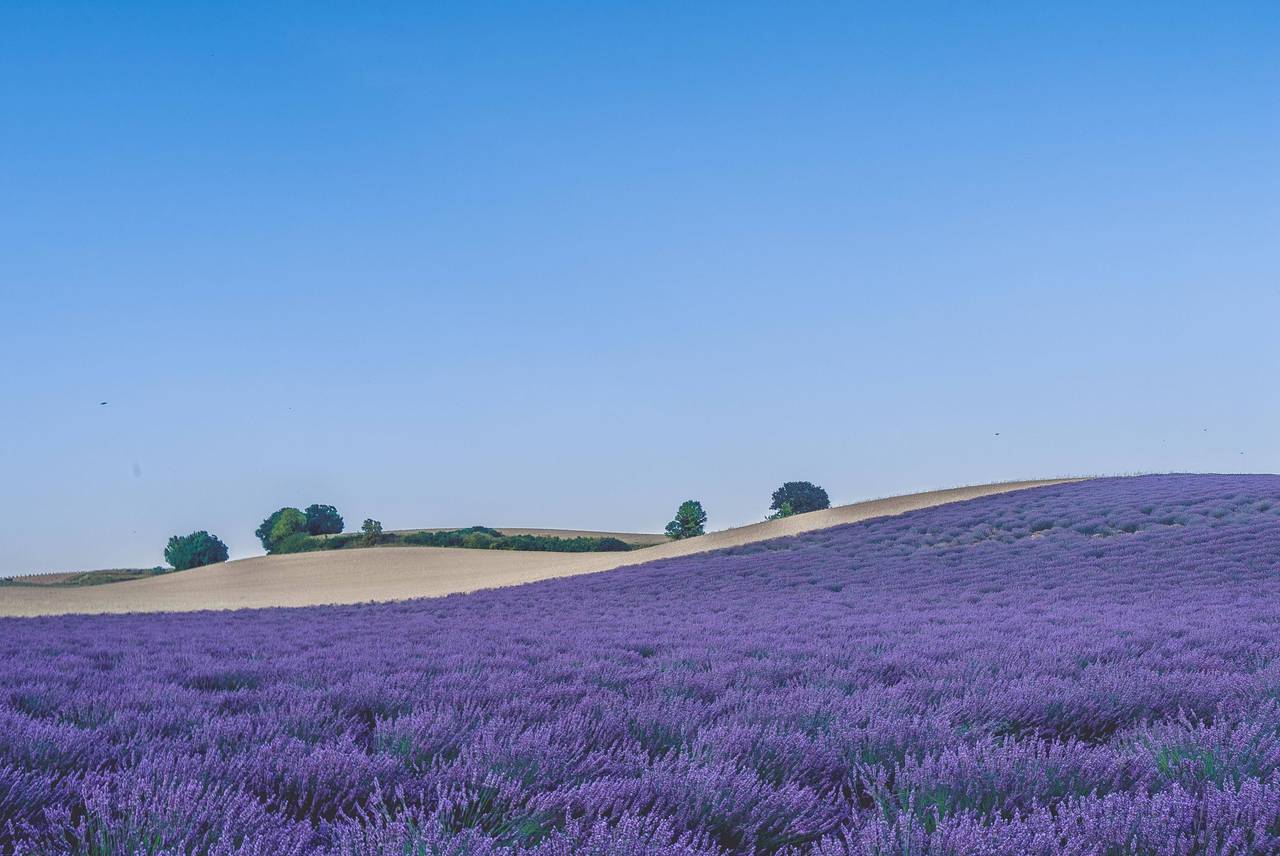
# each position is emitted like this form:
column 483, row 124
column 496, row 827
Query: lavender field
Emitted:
column 1090, row 668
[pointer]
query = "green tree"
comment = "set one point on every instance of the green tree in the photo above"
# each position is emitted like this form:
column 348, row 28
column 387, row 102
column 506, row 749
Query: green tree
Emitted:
column 785, row 511
column 798, row 497
column 690, row 520
column 323, row 520
column 194, row 550
column 280, row 525
column 372, row 530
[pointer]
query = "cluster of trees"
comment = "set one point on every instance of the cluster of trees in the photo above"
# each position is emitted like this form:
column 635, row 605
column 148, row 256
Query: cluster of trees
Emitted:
column 797, row 497
column 283, row 532
column 287, row 530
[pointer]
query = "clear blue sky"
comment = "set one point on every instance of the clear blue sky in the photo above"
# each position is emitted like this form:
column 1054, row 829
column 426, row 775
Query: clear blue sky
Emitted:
column 569, row 264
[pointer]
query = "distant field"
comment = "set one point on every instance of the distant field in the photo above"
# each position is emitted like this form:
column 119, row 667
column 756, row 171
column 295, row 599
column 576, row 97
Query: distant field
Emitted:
column 85, row 578
column 361, row 575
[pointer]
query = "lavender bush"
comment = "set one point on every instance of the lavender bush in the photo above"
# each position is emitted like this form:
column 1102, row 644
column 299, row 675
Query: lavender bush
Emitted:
column 1081, row 669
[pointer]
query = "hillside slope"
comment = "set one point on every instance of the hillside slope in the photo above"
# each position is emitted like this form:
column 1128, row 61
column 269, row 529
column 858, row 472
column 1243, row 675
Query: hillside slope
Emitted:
column 356, row 576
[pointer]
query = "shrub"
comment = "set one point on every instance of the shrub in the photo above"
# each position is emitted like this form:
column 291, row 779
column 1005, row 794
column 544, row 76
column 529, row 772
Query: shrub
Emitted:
column 478, row 540
column 298, row 542
column 798, row 497
column 422, row 539
column 194, row 550
column 372, row 530
column 323, row 520
column 280, row 525
column 484, row 538
column 453, row 537
column 690, row 520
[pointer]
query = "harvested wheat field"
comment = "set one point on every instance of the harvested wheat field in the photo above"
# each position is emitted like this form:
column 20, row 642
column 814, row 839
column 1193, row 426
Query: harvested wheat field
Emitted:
column 384, row 574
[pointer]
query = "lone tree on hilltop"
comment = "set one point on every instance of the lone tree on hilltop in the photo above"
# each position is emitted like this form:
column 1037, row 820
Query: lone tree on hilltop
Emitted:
column 690, row 520
column 372, row 530
column 194, row 550
column 323, row 520
column 798, row 497
column 279, row 526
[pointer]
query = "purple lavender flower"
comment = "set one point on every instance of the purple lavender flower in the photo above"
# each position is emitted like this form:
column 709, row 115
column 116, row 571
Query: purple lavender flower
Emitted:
column 1090, row 668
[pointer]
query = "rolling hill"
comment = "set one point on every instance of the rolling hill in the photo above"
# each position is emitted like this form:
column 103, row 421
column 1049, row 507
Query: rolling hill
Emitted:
column 355, row 576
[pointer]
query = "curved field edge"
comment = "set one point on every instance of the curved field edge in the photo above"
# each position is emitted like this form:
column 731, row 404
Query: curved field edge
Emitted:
column 404, row 573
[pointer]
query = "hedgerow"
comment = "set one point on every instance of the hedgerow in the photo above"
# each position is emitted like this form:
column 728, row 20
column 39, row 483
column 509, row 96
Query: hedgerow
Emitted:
column 472, row 537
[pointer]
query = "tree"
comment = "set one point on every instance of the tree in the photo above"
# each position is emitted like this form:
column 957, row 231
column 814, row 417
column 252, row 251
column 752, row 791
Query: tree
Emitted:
column 323, row 520
column 372, row 530
column 690, row 520
column 194, row 550
column 798, row 497
column 279, row 526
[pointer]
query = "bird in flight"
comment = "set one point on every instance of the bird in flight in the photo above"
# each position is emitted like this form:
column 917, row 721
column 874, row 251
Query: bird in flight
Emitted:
column 100, row 403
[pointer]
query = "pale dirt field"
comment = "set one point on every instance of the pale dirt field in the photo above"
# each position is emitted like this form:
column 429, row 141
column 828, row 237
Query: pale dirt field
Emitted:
column 380, row 574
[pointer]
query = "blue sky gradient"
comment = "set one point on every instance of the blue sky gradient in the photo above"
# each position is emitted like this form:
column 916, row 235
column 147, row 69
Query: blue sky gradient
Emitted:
column 570, row 264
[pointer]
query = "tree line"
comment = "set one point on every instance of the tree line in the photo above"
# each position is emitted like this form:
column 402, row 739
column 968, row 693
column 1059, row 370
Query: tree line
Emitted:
column 319, row 527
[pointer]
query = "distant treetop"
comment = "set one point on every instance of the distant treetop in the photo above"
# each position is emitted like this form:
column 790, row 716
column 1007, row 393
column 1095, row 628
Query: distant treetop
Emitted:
column 323, row 520
column 798, row 497
column 372, row 530
column 279, row 526
column 690, row 520
column 194, row 550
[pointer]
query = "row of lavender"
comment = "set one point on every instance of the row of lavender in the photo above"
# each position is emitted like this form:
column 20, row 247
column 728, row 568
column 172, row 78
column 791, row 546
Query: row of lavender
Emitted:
column 1088, row 668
